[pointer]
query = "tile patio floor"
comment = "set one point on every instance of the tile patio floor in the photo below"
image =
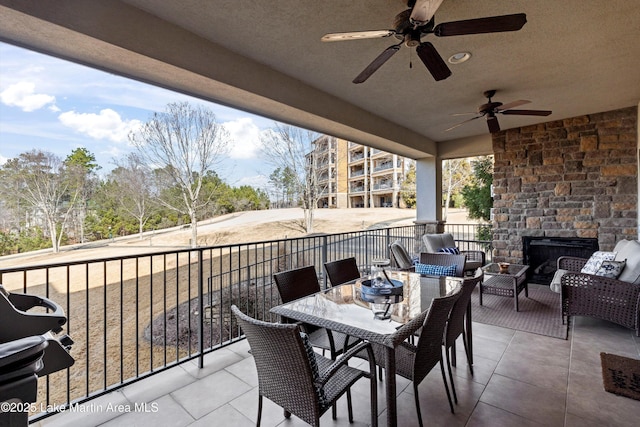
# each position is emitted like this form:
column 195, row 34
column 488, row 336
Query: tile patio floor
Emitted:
column 521, row 379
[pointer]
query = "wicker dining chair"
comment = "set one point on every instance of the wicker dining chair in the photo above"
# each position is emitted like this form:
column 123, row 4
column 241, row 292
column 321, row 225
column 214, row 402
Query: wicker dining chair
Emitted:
column 301, row 282
column 456, row 326
column 342, row 271
column 298, row 379
column 414, row 362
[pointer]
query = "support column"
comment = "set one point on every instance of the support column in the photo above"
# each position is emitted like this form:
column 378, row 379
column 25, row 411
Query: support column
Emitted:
column 429, row 194
column 638, row 172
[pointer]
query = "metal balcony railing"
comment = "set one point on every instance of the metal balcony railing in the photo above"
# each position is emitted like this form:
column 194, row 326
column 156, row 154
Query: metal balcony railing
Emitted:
column 134, row 316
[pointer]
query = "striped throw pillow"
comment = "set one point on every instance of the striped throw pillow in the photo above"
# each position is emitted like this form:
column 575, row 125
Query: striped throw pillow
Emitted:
column 452, row 251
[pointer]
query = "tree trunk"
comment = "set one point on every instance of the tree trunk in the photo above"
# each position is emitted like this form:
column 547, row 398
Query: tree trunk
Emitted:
column 54, row 235
column 447, row 199
column 194, row 229
column 308, row 220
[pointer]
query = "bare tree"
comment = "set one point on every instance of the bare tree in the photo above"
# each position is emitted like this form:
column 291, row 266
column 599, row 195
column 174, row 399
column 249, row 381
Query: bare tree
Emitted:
column 183, row 143
column 44, row 185
column 132, row 177
column 455, row 174
column 291, row 148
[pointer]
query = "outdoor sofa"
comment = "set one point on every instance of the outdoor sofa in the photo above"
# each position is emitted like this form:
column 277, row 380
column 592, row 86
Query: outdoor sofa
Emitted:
column 613, row 299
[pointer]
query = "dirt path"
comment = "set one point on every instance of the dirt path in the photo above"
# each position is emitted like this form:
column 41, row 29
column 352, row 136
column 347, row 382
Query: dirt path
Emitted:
column 242, row 227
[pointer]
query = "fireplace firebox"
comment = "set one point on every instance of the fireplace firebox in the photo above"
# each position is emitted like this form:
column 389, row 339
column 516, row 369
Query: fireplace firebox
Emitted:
column 541, row 254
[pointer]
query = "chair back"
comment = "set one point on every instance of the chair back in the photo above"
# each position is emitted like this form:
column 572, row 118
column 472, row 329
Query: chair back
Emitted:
column 444, row 260
column 434, row 242
column 297, row 283
column 455, row 326
column 342, row 271
column 284, row 372
column 400, row 256
column 429, row 347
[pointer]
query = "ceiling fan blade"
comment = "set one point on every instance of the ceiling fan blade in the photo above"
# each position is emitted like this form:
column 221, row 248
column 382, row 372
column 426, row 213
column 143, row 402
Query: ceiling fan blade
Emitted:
column 356, row 35
column 423, row 11
column 377, row 63
column 512, row 105
column 492, row 122
column 433, row 61
column 461, row 123
column 527, row 112
column 493, row 24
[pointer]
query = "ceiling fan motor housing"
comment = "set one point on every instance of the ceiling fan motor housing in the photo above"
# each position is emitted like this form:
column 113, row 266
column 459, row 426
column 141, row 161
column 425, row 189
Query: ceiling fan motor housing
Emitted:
column 488, row 107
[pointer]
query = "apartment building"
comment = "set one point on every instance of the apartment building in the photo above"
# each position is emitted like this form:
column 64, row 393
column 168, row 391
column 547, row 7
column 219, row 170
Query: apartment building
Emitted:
column 351, row 175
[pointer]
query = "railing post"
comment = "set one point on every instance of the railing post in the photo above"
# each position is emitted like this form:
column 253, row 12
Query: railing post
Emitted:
column 324, row 252
column 387, row 243
column 200, row 311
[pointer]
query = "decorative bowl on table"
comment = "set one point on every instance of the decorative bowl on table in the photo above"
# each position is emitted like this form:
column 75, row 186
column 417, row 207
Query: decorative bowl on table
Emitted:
column 504, row 267
column 381, row 294
column 374, row 287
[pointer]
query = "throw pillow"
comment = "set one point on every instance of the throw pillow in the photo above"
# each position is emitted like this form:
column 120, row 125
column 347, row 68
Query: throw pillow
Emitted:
column 611, row 269
column 315, row 372
column 435, row 270
column 593, row 264
column 453, row 251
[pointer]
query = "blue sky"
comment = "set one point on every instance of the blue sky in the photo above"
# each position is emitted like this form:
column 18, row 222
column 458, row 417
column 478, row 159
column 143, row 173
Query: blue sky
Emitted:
column 57, row 106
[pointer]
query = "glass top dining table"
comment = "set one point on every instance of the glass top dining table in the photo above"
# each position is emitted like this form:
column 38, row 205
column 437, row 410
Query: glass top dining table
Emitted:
column 347, row 309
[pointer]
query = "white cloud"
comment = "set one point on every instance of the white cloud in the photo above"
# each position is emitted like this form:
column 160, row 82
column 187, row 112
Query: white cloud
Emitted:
column 245, row 136
column 22, row 94
column 256, row 181
column 106, row 125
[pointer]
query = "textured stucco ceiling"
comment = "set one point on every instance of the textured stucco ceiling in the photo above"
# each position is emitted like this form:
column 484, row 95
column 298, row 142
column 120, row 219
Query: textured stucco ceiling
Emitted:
column 572, row 57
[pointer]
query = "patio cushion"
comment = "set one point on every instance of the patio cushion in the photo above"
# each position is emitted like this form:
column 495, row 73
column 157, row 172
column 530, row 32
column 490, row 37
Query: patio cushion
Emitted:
column 556, row 284
column 593, row 264
column 631, row 253
column 434, row 242
column 435, row 270
column 610, row 269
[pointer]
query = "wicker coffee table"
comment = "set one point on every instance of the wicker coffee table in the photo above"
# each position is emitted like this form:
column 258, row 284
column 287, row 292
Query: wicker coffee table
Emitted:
column 508, row 284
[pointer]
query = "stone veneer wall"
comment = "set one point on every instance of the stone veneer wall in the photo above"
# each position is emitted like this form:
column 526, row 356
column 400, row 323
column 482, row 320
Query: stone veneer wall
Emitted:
column 576, row 177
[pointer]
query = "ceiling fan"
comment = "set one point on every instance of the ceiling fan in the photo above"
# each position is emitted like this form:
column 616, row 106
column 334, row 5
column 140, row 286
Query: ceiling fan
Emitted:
column 410, row 25
column 490, row 109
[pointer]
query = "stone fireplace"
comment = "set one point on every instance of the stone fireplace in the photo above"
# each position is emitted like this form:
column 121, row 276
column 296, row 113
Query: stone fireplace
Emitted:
column 571, row 178
column 541, row 254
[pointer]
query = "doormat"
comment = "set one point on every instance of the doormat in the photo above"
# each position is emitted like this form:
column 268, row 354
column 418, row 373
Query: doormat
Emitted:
column 621, row 375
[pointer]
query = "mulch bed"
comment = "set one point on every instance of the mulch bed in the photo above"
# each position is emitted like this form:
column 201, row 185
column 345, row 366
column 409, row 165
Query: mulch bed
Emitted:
column 179, row 325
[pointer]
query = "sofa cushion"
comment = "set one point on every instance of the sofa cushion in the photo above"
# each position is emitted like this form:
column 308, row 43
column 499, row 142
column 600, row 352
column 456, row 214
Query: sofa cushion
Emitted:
column 631, row 253
column 593, row 264
column 621, row 244
column 610, row 269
